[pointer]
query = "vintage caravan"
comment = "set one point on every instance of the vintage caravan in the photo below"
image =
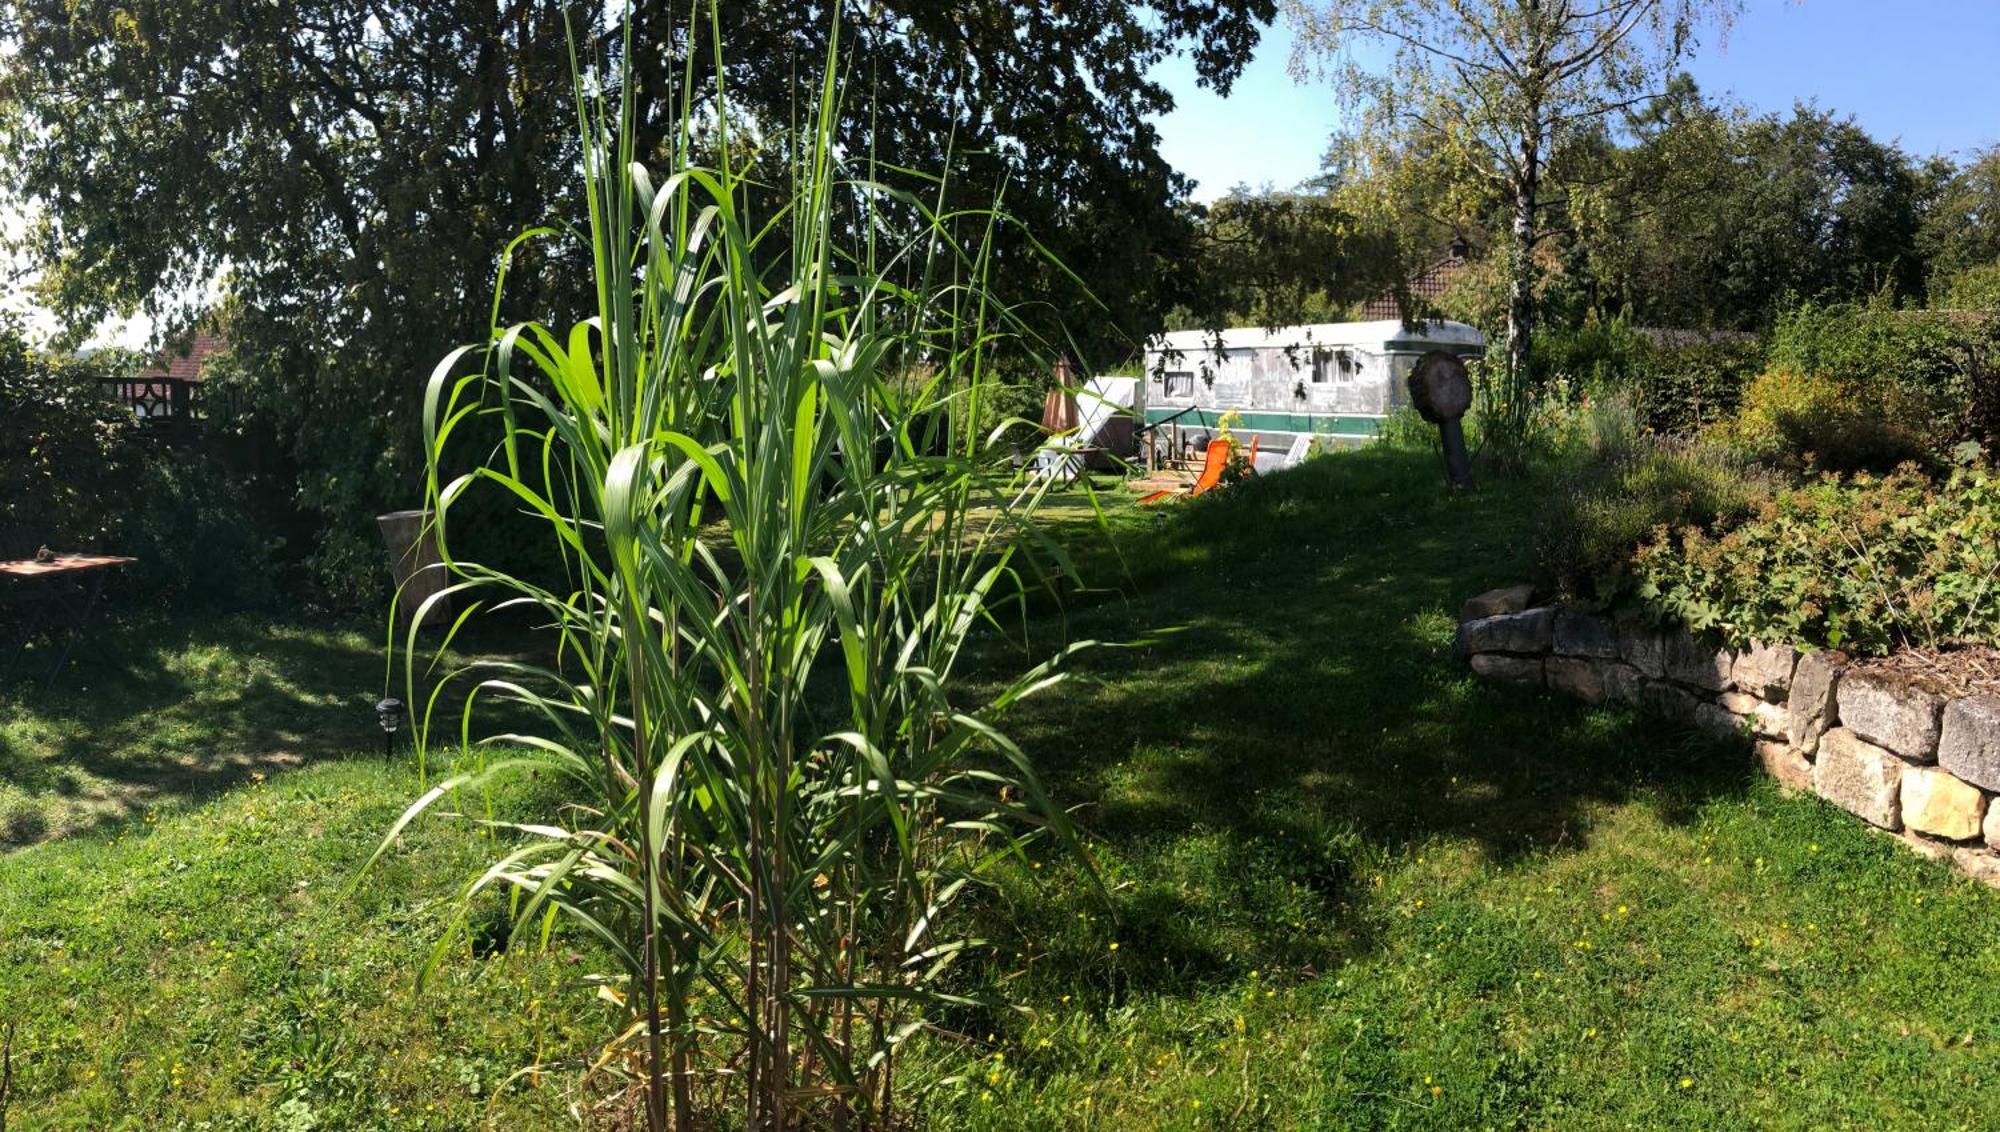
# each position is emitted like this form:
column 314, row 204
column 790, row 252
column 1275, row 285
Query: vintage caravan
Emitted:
column 1334, row 382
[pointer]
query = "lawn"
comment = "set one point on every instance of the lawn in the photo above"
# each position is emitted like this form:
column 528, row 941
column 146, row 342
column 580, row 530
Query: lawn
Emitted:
column 173, row 711
column 1351, row 887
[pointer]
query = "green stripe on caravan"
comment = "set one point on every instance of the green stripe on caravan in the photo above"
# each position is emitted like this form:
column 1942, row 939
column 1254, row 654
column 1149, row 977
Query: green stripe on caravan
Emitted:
column 1419, row 346
column 1328, row 424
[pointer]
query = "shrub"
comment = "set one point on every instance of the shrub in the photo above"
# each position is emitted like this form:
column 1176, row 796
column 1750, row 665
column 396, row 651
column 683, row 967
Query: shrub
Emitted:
column 190, row 524
column 1868, row 387
column 1013, row 400
column 1673, row 388
column 1814, row 421
column 1974, row 289
column 1866, row 563
column 1597, row 355
column 1613, row 502
column 82, row 474
column 1681, row 389
column 66, row 453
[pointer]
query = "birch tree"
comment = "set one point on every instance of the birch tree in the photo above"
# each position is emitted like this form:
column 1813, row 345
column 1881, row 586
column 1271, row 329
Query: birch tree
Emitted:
column 1499, row 85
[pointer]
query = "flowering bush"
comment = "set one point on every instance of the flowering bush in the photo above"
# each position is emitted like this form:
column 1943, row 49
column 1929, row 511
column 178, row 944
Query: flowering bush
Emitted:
column 1866, row 564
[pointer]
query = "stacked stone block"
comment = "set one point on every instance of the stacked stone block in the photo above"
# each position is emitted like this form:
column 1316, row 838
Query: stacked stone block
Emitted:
column 1916, row 764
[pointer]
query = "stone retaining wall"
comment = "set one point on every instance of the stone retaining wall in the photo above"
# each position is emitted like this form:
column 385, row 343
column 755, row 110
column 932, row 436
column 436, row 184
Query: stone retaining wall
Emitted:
column 1918, row 765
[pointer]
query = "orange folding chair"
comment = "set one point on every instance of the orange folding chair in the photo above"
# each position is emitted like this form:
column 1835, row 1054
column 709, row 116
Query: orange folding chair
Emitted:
column 1211, row 474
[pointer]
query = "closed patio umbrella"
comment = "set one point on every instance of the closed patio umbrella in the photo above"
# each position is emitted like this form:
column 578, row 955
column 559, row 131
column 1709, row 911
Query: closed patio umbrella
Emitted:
column 1059, row 411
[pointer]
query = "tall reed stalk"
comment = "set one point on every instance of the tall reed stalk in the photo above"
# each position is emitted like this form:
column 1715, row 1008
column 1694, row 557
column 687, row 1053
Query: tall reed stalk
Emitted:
column 780, row 527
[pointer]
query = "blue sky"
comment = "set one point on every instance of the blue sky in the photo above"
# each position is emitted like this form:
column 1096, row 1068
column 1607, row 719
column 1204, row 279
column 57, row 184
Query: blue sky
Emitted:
column 1925, row 73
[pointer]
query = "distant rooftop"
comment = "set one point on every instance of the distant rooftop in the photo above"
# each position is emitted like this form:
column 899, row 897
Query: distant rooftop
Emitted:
column 1427, row 286
column 186, row 364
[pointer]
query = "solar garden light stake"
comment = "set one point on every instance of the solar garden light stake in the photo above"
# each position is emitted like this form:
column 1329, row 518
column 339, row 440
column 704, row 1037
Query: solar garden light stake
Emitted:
column 389, row 714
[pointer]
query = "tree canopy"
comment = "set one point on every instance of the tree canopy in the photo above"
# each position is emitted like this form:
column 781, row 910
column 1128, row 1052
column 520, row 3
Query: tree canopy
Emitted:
column 341, row 176
column 1692, row 213
column 1961, row 228
column 1749, row 214
column 1498, row 88
column 1273, row 258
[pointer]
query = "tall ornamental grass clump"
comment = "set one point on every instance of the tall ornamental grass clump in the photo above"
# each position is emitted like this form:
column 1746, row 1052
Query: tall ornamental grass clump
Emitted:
column 780, row 530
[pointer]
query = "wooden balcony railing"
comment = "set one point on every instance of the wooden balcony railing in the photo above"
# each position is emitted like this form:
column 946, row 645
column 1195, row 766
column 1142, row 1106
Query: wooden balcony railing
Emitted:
column 160, row 399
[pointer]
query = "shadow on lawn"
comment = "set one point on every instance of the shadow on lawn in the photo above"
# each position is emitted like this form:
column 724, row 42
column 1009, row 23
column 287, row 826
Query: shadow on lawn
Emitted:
column 174, row 710
column 1310, row 719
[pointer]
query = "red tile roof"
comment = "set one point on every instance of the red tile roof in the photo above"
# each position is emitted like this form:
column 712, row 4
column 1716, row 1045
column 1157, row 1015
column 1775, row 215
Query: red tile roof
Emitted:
column 1427, row 285
column 186, row 364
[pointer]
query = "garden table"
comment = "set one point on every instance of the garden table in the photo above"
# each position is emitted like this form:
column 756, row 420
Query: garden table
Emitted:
column 61, row 592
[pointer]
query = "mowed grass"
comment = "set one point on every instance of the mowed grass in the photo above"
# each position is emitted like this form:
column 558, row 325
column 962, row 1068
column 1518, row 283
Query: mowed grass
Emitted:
column 209, row 969
column 157, row 715
column 1350, row 888
column 167, row 712
column 1354, row 888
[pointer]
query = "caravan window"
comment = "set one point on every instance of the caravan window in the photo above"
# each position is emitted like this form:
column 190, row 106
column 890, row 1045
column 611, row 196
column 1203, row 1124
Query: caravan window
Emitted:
column 1179, row 383
column 1334, row 365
